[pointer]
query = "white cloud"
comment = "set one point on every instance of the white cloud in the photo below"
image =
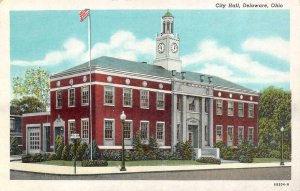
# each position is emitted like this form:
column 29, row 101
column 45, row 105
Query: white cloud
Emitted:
column 122, row 44
column 274, row 46
column 236, row 67
column 72, row 50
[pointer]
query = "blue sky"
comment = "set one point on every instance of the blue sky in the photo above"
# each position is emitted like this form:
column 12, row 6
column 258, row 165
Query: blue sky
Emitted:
column 248, row 47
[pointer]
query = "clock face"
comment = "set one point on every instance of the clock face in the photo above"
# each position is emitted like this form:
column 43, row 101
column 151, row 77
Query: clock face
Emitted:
column 174, row 47
column 161, row 47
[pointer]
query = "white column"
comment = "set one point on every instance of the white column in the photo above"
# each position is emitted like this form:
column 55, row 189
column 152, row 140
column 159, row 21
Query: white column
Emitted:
column 210, row 122
column 203, row 123
column 174, row 121
column 183, row 122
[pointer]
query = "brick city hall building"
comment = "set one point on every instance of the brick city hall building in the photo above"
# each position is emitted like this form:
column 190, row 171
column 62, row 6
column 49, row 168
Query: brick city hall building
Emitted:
column 158, row 99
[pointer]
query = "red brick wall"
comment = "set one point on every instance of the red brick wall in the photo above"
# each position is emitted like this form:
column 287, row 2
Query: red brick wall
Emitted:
column 235, row 120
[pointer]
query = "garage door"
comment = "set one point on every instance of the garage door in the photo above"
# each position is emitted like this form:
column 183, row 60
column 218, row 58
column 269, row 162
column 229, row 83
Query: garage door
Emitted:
column 34, row 140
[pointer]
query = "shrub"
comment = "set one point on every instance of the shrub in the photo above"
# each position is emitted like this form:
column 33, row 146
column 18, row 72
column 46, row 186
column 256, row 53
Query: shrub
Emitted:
column 87, row 153
column 90, row 163
column 245, row 159
column 53, row 156
column 81, row 150
column 32, row 158
column 59, row 146
column 210, row 160
column 245, row 152
column 14, row 146
column 65, row 155
column 184, row 151
column 46, row 156
column 110, row 155
column 26, row 158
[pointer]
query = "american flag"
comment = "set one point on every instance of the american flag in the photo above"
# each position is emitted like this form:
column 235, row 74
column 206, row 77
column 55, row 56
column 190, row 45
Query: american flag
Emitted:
column 83, row 14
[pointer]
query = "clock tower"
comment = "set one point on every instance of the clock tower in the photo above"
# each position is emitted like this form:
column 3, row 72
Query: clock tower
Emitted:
column 167, row 45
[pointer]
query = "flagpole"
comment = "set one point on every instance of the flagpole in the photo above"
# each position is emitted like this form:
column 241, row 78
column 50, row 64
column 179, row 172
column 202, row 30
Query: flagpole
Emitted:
column 91, row 117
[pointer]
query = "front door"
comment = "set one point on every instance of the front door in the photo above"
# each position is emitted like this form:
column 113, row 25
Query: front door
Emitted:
column 58, row 131
column 190, row 138
column 34, row 140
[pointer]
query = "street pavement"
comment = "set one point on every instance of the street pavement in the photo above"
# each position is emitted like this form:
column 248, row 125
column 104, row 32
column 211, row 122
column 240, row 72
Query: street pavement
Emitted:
column 264, row 173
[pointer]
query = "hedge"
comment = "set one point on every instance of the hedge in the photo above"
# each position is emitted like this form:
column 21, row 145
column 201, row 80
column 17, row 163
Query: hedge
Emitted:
column 210, row 160
column 90, row 163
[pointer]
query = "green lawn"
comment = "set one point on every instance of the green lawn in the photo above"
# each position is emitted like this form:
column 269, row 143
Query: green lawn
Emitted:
column 129, row 163
column 266, row 160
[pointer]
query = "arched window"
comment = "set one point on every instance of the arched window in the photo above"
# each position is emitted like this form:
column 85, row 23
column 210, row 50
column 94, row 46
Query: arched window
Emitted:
column 168, row 27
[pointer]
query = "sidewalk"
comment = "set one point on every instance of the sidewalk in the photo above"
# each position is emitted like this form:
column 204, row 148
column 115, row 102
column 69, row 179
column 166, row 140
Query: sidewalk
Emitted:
column 69, row 170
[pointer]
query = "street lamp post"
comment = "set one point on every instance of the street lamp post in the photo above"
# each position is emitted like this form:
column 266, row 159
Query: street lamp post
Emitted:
column 75, row 136
column 123, row 117
column 282, row 130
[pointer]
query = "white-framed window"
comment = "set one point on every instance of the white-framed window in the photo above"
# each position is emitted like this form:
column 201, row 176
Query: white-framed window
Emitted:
column 160, row 132
column 251, row 110
column 240, row 134
column 251, row 135
column 127, row 97
column 127, row 129
column 241, row 109
column 144, row 99
column 144, row 128
column 72, row 128
column 85, row 95
column 219, row 106
column 71, row 95
column 108, row 129
column 179, row 102
column 85, row 129
column 109, row 92
column 12, row 124
column 58, row 98
column 160, row 101
column 178, row 131
column 192, row 104
column 229, row 135
column 219, row 133
column 230, row 108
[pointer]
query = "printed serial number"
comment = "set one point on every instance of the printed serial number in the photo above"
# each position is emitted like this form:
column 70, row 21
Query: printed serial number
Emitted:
column 281, row 184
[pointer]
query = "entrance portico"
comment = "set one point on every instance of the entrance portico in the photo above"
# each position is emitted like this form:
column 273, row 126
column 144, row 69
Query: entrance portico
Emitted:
column 192, row 114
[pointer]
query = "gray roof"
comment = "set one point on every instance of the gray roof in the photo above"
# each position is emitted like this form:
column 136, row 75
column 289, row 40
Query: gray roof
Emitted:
column 150, row 69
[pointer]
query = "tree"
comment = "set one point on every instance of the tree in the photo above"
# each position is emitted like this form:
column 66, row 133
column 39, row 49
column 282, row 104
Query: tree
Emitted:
column 274, row 113
column 26, row 105
column 35, row 83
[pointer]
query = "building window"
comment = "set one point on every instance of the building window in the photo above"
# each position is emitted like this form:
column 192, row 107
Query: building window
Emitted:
column 144, row 131
column 58, row 99
column 250, row 110
column 230, row 108
column 72, row 97
column 230, row 136
column 127, row 97
column 219, row 107
column 240, row 134
column 178, row 131
column 241, row 109
column 160, row 131
column 127, row 129
column 192, row 106
column 206, row 105
column 72, row 128
column 12, row 124
column 85, row 129
column 108, row 95
column 179, row 102
column 144, row 99
column 251, row 135
column 34, row 138
column 206, row 133
column 108, row 131
column 85, row 95
column 160, row 100
column 219, row 132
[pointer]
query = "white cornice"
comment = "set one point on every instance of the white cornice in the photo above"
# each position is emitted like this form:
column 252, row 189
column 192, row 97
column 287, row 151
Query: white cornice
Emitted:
column 35, row 114
column 235, row 100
